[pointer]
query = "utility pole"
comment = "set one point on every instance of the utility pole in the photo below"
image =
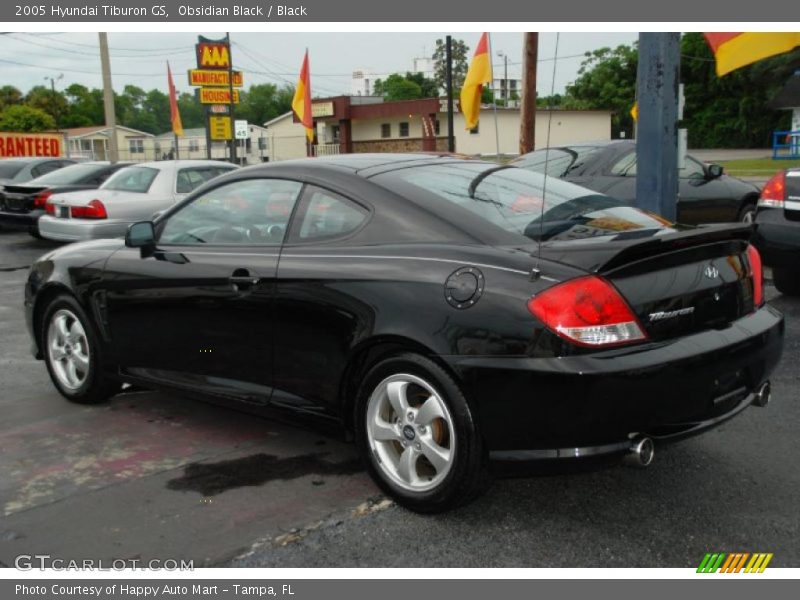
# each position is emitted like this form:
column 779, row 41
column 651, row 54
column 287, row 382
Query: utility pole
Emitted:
column 108, row 98
column 657, row 79
column 527, row 120
column 53, row 97
column 451, row 140
column 230, row 88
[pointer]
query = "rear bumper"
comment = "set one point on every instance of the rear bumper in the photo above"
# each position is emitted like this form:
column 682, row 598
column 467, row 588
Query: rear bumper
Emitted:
column 777, row 239
column 75, row 230
column 594, row 404
column 16, row 220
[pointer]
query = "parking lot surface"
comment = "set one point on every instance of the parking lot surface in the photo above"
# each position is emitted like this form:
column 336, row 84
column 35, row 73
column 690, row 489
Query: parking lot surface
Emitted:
column 154, row 476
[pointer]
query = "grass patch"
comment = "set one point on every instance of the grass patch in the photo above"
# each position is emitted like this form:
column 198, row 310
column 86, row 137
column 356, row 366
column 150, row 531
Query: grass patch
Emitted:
column 756, row 167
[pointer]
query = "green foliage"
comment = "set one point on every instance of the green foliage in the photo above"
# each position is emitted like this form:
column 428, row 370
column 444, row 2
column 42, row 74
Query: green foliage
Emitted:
column 26, row 119
column 487, row 97
column 9, row 95
column 460, row 64
column 720, row 112
column 397, row 87
column 264, row 102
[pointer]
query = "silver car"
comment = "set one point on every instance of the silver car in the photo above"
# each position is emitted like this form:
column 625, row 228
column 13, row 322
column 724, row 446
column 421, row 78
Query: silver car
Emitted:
column 132, row 194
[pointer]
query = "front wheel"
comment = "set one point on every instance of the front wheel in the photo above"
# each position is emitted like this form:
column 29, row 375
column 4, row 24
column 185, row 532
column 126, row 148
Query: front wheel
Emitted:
column 747, row 214
column 72, row 354
column 787, row 281
column 415, row 431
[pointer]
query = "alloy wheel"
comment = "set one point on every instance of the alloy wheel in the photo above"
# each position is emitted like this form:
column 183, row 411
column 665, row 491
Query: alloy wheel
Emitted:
column 68, row 349
column 410, row 432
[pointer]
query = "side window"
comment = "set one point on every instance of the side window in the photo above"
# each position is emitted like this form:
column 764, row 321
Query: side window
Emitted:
column 692, row 170
column 626, row 166
column 248, row 212
column 326, row 215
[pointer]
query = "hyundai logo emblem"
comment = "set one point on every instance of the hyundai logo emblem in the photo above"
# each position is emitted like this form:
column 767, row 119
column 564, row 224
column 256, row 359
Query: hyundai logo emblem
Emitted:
column 711, row 272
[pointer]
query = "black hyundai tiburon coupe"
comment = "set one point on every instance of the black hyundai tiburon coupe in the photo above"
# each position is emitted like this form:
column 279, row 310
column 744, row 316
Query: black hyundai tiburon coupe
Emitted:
column 446, row 311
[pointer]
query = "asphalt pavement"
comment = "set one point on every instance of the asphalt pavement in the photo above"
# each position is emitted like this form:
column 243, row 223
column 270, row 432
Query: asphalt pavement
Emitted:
column 155, row 476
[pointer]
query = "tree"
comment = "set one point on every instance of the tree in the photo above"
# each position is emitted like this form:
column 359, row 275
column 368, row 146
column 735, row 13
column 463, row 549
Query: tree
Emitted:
column 263, row 102
column 397, row 87
column 25, row 119
column 9, row 95
column 192, row 112
column 84, row 106
column 428, row 86
column 460, row 64
column 607, row 80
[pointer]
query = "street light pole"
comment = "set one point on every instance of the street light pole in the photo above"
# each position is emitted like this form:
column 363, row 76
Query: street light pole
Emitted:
column 230, row 89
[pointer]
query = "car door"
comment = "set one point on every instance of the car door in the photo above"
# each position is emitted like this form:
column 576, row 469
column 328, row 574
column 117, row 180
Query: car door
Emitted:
column 315, row 321
column 195, row 310
column 703, row 199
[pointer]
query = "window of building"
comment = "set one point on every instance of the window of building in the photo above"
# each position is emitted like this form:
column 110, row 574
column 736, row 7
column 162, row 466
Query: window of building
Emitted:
column 437, row 127
column 386, row 130
column 136, row 146
column 403, row 129
column 194, row 146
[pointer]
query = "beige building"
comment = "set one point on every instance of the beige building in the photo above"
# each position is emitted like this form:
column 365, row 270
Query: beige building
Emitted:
column 93, row 143
column 347, row 124
column 192, row 144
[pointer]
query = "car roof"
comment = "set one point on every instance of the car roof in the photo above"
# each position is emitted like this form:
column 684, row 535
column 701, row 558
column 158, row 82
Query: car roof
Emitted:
column 35, row 159
column 188, row 162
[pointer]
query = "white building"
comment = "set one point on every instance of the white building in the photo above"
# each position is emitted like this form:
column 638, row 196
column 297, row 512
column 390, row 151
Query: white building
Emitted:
column 363, row 82
column 192, row 144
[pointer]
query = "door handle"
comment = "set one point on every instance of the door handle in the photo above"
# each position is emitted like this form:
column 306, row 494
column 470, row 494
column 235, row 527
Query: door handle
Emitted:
column 242, row 280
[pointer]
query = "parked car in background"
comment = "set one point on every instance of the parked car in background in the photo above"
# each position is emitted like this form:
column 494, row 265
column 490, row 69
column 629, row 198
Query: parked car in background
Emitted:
column 25, row 168
column 778, row 232
column 445, row 311
column 706, row 194
column 134, row 193
column 21, row 205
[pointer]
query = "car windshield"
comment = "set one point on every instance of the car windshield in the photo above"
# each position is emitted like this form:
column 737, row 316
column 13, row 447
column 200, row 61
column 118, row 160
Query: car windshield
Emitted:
column 557, row 162
column 131, row 179
column 68, row 175
column 10, row 168
column 522, row 201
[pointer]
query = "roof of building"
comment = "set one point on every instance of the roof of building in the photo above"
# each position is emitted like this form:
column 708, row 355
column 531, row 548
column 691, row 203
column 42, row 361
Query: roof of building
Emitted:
column 789, row 96
column 199, row 132
column 77, row 132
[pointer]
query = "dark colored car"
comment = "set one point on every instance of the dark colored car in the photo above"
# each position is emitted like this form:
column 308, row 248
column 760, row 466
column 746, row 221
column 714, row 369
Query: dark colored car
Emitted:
column 438, row 308
column 21, row 205
column 778, row 232
column 22, row 169
column 706, row 194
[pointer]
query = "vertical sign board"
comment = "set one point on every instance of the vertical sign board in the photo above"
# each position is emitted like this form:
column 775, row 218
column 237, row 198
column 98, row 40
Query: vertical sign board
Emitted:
column 213, row 78
column 240, row 129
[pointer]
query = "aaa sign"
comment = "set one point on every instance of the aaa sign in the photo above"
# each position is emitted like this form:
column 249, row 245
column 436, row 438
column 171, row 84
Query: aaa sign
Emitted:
column 213, row 55
column 30, row 144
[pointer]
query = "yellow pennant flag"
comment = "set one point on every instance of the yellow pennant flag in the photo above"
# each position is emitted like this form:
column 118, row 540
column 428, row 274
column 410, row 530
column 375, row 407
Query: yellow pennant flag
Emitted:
column 479, row 73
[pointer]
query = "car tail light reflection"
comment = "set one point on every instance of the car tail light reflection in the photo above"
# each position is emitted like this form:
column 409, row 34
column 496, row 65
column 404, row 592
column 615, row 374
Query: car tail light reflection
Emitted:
column 94, row 210
column 40, row 199
column 757, row 271
column 588, row 311
column 774, row 192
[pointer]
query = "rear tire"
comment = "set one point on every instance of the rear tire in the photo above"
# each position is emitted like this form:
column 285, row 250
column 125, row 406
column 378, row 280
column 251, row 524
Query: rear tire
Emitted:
column 747, row 214
column 787, row 281
column 34, row 232
column 71, row 352
column 416, row 434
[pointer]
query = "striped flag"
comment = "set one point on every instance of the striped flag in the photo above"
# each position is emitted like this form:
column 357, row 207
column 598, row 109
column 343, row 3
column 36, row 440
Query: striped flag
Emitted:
column 734, row 50
column 301, row 103
column 174, row 114
column 479, row 73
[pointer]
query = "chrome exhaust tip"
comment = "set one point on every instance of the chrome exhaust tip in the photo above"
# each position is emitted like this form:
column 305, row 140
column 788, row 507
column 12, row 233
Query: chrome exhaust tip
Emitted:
column 763, row 394
column 641, row 453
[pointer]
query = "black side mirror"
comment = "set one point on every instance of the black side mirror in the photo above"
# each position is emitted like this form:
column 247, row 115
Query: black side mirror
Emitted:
column 140, row 235
column 714, row 171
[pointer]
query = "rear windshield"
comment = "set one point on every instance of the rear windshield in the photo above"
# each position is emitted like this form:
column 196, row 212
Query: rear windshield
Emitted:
column 69, row 175
column 519, row 201
column 131, row 179
column 557, row 162
column 10, row 168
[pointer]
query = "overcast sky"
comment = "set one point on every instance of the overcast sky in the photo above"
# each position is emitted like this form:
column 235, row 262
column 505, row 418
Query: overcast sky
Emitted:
column 139, row 58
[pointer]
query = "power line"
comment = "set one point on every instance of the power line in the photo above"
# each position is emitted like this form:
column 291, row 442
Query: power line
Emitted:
column 141, row 50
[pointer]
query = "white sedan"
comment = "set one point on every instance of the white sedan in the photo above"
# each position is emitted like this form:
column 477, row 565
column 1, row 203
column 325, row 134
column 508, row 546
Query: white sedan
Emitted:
column 132, row 194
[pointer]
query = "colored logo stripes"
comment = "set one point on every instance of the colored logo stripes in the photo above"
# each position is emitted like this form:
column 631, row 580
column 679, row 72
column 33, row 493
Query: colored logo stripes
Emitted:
column 734, row 562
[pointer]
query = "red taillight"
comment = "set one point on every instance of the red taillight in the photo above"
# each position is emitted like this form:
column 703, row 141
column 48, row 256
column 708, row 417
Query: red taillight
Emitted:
column 50, row 208
column 40, row 199
column 93, row 210
column 774, row 192
column 757, row 271
column 588, row 311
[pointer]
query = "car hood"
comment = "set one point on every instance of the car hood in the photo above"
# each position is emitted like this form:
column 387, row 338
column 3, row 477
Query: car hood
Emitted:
column 91, row 251
column 83, row 197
